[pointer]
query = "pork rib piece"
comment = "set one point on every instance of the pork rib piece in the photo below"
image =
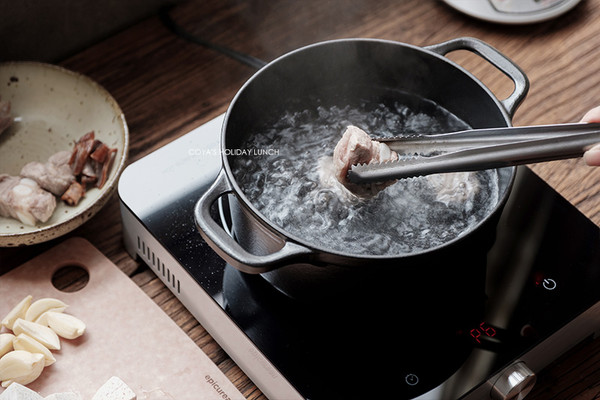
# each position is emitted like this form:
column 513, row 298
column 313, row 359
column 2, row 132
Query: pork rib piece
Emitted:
column 25, row 200
column 356, row 147
column 91, row 160
column 55, row 175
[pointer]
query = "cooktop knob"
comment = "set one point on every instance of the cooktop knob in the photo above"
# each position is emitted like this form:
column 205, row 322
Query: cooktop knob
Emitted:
column 515, row 382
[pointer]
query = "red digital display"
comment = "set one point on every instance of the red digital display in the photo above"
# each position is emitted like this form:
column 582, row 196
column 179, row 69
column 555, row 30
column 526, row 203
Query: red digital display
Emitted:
column 484, row 330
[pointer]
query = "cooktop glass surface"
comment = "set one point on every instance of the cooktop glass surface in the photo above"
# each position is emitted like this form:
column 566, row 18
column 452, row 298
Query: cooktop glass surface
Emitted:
column 440, row 330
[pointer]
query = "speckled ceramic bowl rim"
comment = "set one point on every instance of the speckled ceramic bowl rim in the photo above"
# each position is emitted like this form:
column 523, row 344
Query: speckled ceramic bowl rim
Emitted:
column 46, row 233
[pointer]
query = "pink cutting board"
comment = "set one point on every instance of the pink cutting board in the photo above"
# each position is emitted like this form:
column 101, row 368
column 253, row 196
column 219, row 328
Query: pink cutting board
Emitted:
column 127, row 334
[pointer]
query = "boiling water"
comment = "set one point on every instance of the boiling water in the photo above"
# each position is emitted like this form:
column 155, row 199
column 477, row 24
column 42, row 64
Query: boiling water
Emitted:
column 280, row 173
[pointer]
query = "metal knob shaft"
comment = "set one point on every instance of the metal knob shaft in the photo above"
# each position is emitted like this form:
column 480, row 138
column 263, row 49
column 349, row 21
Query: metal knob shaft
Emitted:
column 515, row 382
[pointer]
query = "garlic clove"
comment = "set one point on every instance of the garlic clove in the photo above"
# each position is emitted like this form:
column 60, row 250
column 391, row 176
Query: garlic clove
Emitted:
column 17, row 312
column 42, row 334
column 27, row 343
column 41, row 306
column 20, row 366
column 6, row 343
column 42, row 319
column 65, row 325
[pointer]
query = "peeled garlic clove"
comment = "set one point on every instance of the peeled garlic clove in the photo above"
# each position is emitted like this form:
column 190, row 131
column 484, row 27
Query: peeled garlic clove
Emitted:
column 42, row 319
column 27, row 343
column 41, row 306
column 17, row 312
column 65, row 325
column 20, row 366
column 6, row 343
column 42, row 334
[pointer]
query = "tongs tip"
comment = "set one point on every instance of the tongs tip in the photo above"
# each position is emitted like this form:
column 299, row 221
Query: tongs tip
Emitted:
column 379, row 171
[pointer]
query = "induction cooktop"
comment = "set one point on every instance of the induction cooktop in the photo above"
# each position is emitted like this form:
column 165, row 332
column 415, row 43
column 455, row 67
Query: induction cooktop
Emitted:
column 480, row 330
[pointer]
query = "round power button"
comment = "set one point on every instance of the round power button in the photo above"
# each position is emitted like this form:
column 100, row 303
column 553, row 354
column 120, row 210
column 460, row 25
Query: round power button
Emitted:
column 549, row 284
column 411, row 379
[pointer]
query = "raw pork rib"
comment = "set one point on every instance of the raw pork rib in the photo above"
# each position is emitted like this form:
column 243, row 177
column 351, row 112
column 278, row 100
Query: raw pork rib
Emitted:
column 356, row 147
column 5, row 117
column 23, row 199
column 55, row 175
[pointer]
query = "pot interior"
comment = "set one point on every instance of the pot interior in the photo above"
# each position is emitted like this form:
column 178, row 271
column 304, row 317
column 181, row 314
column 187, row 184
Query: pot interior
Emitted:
column 346, row 71
column 384, row 88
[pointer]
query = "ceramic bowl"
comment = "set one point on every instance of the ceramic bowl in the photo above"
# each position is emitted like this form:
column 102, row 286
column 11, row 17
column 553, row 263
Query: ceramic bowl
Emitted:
column 53, row 107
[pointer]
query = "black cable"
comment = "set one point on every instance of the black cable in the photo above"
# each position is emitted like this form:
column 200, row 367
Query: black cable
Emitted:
column 246, row 59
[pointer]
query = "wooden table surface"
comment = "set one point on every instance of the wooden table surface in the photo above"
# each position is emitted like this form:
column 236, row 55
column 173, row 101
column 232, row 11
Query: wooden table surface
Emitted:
column 167, row 86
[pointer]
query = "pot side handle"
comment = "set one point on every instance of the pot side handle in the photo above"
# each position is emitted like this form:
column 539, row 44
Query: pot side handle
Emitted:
column 497, row 59
column 230, row 250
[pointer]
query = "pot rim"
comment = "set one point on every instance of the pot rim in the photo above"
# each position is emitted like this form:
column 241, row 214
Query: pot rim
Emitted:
column 326, row 254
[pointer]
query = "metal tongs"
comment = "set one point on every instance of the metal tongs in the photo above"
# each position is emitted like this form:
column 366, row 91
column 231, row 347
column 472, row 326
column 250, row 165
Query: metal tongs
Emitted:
column 479, row 149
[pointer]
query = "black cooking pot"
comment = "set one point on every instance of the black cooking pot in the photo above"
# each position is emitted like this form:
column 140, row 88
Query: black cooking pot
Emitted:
column 338, row 72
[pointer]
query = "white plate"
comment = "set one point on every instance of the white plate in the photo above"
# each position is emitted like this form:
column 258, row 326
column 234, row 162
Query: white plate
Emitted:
column 513, row 10
column 54, row 107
